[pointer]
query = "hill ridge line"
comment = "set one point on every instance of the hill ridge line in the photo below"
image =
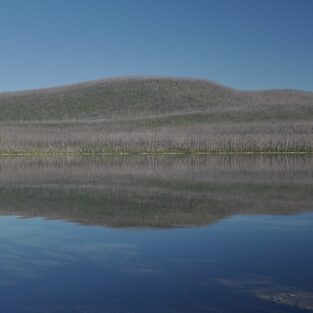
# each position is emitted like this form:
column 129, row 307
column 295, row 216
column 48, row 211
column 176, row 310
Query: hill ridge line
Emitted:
column 88, row 83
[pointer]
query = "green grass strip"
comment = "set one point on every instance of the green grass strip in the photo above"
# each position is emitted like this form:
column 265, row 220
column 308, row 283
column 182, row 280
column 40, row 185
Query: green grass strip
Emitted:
column 121, row 153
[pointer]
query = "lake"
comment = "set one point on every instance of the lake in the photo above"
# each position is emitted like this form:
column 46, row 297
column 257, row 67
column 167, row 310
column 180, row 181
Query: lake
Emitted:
column 156, row 234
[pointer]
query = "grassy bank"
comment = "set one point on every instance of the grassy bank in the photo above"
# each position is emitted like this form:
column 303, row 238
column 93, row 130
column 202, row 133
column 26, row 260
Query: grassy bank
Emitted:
column 152, row 153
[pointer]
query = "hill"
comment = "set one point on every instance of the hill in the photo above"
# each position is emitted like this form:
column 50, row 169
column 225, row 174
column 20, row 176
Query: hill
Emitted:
column 155, row 114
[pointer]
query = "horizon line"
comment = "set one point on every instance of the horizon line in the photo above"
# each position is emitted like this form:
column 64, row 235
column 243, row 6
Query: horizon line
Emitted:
column 146, row 77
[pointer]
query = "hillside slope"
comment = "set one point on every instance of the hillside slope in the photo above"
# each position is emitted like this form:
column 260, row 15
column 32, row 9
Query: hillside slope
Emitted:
column 118, row 98
column 155, row 114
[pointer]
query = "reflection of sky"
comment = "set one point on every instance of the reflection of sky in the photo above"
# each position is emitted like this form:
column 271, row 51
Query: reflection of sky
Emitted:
column 53, row 266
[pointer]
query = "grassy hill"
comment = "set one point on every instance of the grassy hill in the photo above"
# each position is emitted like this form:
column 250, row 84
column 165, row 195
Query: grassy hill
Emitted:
column 155, row 115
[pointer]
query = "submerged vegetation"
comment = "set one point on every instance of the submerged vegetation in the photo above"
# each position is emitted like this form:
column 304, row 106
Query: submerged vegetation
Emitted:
column 154, row 115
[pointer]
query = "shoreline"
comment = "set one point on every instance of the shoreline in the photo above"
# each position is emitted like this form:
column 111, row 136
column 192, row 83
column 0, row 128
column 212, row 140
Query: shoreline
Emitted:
column 145, row 153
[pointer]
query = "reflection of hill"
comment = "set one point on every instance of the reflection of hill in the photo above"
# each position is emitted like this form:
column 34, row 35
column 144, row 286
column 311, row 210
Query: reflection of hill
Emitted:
column 155, row 191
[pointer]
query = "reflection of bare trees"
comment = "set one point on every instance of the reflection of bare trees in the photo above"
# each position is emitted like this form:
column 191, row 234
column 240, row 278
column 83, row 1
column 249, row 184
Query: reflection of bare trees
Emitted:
column 155, row 191
column 155, row 115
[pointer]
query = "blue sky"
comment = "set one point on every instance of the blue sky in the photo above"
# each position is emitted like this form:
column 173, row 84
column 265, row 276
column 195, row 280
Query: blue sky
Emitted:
column 246, row 44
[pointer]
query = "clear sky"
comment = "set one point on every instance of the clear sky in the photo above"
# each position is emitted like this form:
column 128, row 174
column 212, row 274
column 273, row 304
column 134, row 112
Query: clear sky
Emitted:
column 246, row 44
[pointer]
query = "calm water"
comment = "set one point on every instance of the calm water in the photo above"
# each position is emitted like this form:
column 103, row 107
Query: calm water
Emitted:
column 210, row 234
